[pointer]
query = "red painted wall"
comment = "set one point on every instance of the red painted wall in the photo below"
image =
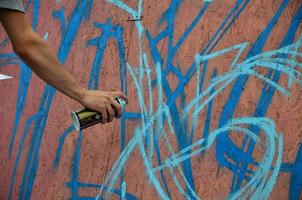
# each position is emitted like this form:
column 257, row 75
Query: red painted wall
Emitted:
column 50, row 160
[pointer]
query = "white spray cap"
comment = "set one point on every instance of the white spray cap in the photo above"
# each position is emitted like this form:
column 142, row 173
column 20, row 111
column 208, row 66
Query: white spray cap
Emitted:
column 122, row 102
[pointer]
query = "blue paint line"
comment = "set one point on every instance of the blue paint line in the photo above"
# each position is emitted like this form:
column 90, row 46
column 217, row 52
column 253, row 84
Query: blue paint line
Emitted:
column 159, row 161
column 242, row 69
column 75, row 168
column 116, row 32
column 171, row 51
column 123, row 87
column 200, row 81
column 60, row 15
column 154, row 51
column 260, row 185
column 166, row 16
column 29, row 122
column 9, row 59
column 224, row 143
column 286, row 41
column 91, row 185
column 164, row 33
column 97, row 63
column 123, row 143
column 147, row 164
column 31, row 162
column 78, row 15
column 140, row 95
column 207, row 48
column 295, row 191
column 155, row 54
column 25, row 77
column 268, row 91
column 63, row 136
column 132, row 115
column 204, row 71
column 229, row 25
column 295, row 186
column 8, row 56
column 117, row 167
column 122, row 59
column 206, row 129
column 190, row 28
column 175, row 71
column 36, row 9
column 182, row 97
column 224, row 26
column 123, row 195
column 10, row 63
column 170, row 20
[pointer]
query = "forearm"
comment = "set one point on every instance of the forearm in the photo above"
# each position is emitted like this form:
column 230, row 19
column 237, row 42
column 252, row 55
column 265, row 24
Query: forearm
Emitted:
column 45, row 64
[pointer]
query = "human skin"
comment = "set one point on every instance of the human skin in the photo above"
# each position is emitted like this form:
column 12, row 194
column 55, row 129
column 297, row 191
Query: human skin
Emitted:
column 33, row 50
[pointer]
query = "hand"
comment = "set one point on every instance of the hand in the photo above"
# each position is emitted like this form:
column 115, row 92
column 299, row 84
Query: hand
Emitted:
column 104, row 102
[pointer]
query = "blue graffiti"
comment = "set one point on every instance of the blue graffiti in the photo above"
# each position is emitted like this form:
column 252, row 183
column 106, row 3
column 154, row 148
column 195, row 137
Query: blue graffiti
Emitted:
column 244, row 69
column 165, row 119
column 295, row 190
column 81, row 13
column 109, row 31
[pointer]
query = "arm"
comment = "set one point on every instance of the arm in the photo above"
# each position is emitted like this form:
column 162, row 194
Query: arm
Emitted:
column 31, row 48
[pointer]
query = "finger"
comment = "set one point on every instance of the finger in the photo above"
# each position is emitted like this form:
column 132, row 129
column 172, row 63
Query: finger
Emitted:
column 111, row 113
column 117, row 108
column 120, row 95
column 104, row 116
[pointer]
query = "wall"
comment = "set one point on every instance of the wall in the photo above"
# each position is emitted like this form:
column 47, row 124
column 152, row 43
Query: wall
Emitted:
column 215, row 106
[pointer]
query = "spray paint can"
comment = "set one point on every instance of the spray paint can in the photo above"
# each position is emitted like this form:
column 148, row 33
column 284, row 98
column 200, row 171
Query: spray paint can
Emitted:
column 85, row 117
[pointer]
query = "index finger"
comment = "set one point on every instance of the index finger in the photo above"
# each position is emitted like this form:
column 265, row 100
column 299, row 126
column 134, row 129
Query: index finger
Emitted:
column 120, row 95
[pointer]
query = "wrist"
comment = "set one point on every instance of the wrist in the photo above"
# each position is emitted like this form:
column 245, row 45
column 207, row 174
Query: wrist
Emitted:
column 80, row 95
